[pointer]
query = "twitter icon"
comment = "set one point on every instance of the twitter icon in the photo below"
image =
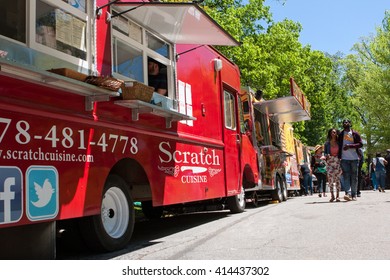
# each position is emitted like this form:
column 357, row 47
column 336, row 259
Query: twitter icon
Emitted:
column 41, row 193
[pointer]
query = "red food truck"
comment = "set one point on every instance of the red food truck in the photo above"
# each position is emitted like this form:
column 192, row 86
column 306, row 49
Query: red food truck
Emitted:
column 272, row 143
column 82, row 134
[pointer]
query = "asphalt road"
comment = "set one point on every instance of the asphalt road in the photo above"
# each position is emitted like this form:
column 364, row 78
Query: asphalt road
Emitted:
column 302, row 228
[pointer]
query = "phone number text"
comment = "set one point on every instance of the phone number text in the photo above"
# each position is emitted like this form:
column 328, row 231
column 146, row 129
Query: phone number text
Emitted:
column 68, row 138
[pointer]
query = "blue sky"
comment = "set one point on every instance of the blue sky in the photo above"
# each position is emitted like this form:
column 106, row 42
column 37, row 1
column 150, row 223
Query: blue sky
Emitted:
column 332, row 25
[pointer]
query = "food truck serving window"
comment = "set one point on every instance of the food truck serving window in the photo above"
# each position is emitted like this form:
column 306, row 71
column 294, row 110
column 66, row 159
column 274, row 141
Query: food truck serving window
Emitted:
column 60, row 30
column 13, row 20
column 48, row 33
column 147, row 31
column 133, row 46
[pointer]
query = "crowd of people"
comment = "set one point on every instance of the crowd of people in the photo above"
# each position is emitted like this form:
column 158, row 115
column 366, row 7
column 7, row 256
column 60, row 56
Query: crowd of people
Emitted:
column 338, row 164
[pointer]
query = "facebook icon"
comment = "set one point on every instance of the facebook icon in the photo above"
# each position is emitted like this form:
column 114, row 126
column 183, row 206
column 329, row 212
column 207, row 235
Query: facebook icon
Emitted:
column 11, row 195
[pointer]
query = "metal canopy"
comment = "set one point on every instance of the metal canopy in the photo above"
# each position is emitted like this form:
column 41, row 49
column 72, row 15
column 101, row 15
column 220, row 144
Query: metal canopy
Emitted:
column 179, row 23
column 293, row 108
column 283, row 109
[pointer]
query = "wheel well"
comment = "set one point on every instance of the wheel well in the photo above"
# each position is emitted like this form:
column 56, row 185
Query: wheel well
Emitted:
column 135, row 177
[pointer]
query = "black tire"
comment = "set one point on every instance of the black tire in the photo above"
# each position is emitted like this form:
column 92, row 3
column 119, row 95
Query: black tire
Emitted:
column 150, row 212
column 284, row 190
column 237, row 203
column 113, row 228
column 277, row 194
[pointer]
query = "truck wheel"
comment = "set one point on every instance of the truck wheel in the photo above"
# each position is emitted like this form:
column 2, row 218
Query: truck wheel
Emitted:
column 113, row 228
column 237, row 203
column 284, row 190
column 277, row 194
column 150, row 212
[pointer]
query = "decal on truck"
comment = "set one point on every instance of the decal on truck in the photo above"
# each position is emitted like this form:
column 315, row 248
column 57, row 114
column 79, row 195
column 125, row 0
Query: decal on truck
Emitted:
column 57, row 138
column 38, row 154
column 11, row 194
column 42, row 193
column 194, row 163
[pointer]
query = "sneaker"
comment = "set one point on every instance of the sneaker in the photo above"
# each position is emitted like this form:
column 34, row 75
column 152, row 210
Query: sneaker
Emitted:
column 359, row 195
column 347, row 198
column 332, row 199
column 354, row 198
column 337, row 199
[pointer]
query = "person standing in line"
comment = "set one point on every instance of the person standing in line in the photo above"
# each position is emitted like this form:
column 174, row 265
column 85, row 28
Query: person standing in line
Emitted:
column 387, row 158
column 318, row 164
column 306, row 174
column 333, row 168
column 360, row 177
column 379, row 164
column 349, row 143
column 372, row 177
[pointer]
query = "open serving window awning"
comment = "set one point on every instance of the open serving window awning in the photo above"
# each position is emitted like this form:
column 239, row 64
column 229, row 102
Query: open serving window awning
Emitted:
column 179, row 23
column 293, row 108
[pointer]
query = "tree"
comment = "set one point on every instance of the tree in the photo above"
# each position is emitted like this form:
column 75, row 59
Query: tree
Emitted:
column 367, row 75
column 271, row 53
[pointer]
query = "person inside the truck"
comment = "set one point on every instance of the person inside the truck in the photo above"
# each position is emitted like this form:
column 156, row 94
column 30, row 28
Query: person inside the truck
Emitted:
column 248, row 127
column 156, row 77
column 259, row 137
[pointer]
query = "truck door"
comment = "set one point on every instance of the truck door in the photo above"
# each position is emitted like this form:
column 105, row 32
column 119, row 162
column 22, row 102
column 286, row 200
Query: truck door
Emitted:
column 232, row 144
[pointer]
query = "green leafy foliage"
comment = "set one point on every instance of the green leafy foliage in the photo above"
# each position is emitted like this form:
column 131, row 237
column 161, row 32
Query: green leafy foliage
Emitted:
column 271, row 53
column 367, row 77
column 356, row 87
